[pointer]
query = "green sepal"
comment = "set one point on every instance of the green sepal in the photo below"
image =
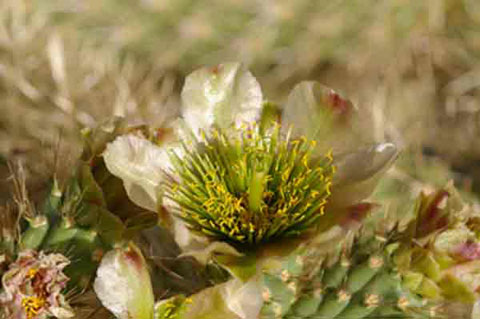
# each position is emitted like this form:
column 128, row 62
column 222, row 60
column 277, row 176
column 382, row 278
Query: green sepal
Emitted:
column 91, row 191
column 241, row 267
column 454, row 289
column 444, row 261
column 271, row 114
column 209, row 303
column 428, row 289
column 403, row 258
column 412, row 280
column 428, row 266
column 85, row 241
column 173, row 308
column 430, row 217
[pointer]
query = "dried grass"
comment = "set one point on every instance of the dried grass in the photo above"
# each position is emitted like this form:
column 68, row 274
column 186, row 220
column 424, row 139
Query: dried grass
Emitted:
column 67, row 64
column 64, row 64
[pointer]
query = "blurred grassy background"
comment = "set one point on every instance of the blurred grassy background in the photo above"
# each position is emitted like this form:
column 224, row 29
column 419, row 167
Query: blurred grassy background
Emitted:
column 67, row 64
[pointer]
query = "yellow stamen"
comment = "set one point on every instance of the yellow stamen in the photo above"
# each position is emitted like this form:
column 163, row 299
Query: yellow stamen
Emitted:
column 32, row 306
column 32, row 272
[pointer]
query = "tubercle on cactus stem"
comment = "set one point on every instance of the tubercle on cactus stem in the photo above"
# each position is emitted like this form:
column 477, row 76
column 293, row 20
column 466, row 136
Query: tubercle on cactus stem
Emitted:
column 403, row 302
column 372, row 300
column 343, row 296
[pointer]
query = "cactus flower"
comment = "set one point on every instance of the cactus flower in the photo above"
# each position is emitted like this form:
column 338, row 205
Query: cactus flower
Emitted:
column 123, row 284
column 33, row 285
column 229, row 98
column 226, row 94
column 250, row 188
column 248, row 180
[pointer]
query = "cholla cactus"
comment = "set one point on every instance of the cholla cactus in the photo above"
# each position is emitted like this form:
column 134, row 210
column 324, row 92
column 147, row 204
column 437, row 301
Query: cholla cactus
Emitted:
column 33, row 286
column 269, row 199
column 230, row 185
column 360, row 283
column 79, row 220
column 238, row 180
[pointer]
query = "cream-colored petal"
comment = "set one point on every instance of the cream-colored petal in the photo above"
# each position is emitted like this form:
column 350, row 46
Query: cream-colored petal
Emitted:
column 363, row 163
column 476, row 310
column 233, row 299
column 319, row 113
column 244, row 298
column 204, row 250
column 140, row 164
column 358, row 173
column 210, row 303
column 61, row 313
column 123, row 284
column 225, row 94
column 111, row 286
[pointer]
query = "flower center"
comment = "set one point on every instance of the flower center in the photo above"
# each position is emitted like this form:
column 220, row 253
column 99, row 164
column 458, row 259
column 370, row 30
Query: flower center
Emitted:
column 32, row 305
column 32, row 272
column 248, row 187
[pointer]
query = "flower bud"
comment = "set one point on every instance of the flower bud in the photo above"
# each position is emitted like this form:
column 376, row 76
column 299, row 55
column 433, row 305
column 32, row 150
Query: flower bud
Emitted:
column 123, row 284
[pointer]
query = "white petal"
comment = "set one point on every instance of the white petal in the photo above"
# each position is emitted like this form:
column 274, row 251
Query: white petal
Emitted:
column 224, row 95
column 244, row 299
column 203, row 250
column 319, row 113
column 364, row 163
column 210, row 303
column 476, row 310
column 359, row 172
column 140, row 164
column 61, row 313
column 123, row 284
column 111, row 286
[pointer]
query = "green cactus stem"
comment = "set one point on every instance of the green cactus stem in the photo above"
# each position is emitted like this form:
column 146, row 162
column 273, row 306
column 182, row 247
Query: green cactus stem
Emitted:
column 34, row 235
